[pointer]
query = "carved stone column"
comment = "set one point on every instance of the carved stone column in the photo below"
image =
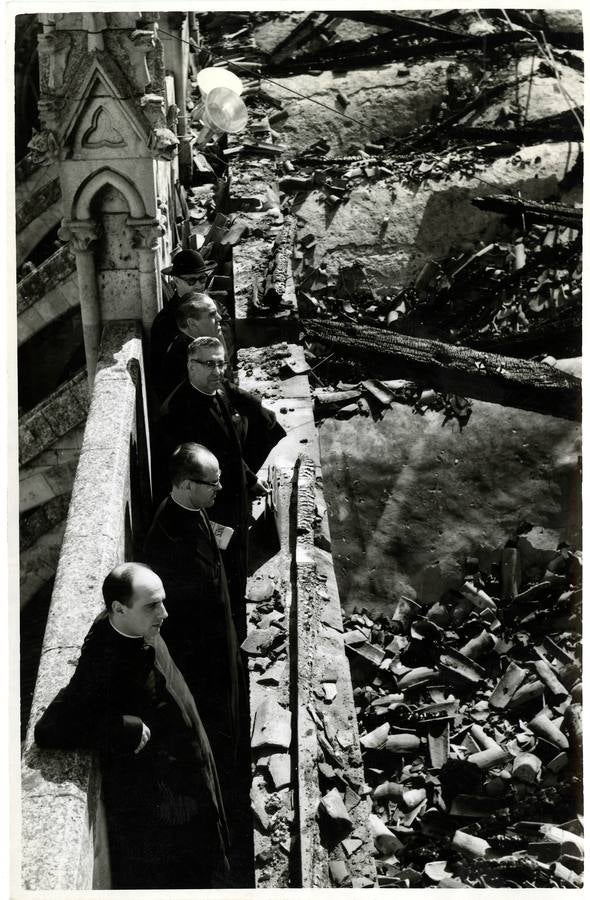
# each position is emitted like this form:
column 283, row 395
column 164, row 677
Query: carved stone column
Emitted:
column 145, row 237
column 82, row 235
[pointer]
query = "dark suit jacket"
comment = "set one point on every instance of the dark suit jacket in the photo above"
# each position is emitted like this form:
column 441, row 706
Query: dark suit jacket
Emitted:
column 163, row 332
column 199, row 630
column 119, row 683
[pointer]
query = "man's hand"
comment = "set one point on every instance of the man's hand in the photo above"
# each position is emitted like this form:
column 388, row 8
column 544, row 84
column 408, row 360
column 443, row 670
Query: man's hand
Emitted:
column 260, row 489
column 145, row 736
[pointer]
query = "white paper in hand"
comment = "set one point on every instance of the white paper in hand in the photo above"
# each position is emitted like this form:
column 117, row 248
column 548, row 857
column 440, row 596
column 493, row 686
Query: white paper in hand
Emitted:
column 223, row 534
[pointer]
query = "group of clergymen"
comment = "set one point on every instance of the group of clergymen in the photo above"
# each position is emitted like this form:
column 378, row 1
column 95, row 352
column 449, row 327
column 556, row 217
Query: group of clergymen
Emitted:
column 170, row 718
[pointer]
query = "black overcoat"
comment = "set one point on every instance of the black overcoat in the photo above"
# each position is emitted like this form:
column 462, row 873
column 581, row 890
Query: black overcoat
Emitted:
column 199, row 630
column 215, row 423
column 164, row 809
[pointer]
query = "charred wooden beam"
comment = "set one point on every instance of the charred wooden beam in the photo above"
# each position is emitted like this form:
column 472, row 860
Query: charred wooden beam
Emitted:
column 561, row 127
column 300, row 35
column 399, row 24
column 276, row 278
column 347, row 55
column 457, row 370
column 535, row 211
column 479, row 102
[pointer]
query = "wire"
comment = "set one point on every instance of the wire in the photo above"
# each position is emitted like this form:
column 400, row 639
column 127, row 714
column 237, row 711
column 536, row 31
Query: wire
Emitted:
column 276, row 83
column 337, row 111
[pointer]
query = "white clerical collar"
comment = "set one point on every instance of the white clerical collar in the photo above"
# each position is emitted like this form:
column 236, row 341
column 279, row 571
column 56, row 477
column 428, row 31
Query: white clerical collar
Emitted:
column 182, row 506
column 134, row 637
column 205, row 393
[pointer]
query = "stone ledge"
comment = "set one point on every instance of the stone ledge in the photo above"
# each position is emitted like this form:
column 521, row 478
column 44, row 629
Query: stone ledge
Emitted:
column 61, row 807
column 310, row 596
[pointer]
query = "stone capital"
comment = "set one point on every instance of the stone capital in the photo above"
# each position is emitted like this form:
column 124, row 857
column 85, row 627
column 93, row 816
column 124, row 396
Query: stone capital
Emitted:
column 146, row 233
column 81, row 233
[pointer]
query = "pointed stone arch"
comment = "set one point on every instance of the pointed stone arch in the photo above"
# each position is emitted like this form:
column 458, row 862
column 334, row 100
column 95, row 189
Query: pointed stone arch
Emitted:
column 106, row 176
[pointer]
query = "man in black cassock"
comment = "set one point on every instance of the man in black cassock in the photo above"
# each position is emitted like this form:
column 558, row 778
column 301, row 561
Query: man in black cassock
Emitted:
column 240, row 432
column 182, row 549
column 128, row 700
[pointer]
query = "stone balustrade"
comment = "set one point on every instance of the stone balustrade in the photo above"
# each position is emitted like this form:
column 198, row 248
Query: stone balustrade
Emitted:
column 63, row 825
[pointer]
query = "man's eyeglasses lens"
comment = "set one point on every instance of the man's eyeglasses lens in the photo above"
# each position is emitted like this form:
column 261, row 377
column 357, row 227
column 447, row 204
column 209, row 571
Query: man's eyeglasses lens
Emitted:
column 210, row 363
column 208, row 483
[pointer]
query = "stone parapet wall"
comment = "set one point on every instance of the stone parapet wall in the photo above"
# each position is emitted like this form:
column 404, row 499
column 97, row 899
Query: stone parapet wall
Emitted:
column 63, row 830
column 290, row 849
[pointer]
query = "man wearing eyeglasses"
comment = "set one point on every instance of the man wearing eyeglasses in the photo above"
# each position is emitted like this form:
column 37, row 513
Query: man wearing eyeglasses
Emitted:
column 237, row 429
column 188, row 272
column 197, row 316
column 181, row 548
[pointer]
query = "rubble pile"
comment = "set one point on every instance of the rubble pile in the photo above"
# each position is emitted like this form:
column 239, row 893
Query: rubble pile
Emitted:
column 372, row 397
column 471, row 728
column 502, row 289
column 271, row 794
column 527, row 287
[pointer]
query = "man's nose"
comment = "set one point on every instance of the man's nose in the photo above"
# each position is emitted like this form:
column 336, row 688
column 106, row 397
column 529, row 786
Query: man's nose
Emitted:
column 164, row 612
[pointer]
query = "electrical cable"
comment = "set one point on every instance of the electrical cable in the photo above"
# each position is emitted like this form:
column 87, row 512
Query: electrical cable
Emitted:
column 329, row 108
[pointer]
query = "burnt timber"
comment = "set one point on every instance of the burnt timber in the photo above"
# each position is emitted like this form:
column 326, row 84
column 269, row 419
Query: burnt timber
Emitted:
column 482, row 376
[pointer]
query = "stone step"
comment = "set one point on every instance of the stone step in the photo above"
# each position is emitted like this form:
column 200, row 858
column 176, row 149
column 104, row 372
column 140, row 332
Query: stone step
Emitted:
column 46, row 294
column 51, row 420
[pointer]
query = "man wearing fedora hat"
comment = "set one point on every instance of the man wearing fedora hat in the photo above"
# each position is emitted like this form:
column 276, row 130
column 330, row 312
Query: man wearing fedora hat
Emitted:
column 189, row 272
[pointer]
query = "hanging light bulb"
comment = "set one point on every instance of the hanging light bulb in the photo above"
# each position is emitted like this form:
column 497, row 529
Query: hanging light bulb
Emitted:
column 224, row 112
column 210, row 78
column 216, row 76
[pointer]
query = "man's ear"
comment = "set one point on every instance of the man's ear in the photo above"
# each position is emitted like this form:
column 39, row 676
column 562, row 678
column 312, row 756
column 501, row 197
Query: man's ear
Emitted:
column 119, row 607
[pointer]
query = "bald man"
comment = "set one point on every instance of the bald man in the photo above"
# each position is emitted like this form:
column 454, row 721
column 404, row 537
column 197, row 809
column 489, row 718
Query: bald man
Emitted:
column 127, row 700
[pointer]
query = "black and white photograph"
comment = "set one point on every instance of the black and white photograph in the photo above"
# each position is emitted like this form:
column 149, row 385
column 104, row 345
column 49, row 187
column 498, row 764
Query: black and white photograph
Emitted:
column 294, row 333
